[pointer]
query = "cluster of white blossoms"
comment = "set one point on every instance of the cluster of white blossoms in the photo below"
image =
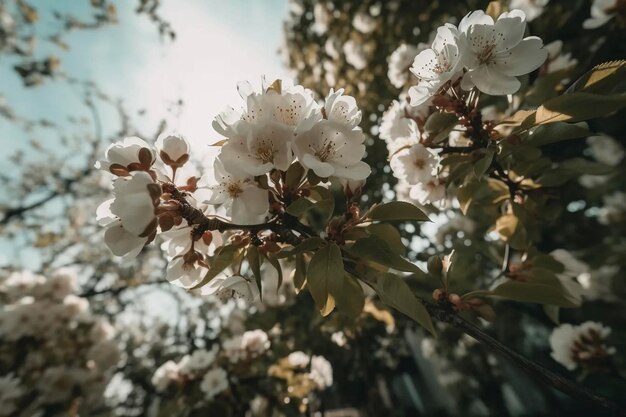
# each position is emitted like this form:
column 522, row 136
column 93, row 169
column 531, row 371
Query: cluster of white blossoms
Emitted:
column 602, row 11
column 480, row 53
column 66, row 353
column 303, row 373
column 583, row 345
column 278, row 127
column 200, row 366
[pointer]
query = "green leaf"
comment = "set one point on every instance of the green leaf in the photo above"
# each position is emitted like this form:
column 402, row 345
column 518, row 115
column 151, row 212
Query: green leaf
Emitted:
column 535, row 292
column 299, row 276
column 307, row 245
column 325, row 266
column 394, row 292
column 390, row 235
column 348, row 295
column 397, row 211
column 255, row 262
column 552, row 312
column 300, row 206
column 294, row 175
column 439, row 125
column 373, row 249
column 482, row 165
column 224, row 257
column 555, row 132
column 274, row 261
column 606, row 78
column 575, row 107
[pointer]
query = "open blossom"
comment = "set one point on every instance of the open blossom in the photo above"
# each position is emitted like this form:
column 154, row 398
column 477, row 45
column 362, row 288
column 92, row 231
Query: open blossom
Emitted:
column 415, row 164
column 428, row 192
column 243, row 200
column 298, row 359
column 134, row 202
column 214, row 382
column 165, row 375
column 173, row 149
column 333, row 149
column 583, row 345
column 257, row 149
column 397, row 129
column 364, row 23
column 342, row 108
column 355, row 54
column 532, row 8
column 246, row 346
column 130, row 154
column 321, row 372
column 558, row 61
column 233, row 287
column 437, row 65
column 601, row 12
column 400, row 61
column 198, row 361
column 496, row 52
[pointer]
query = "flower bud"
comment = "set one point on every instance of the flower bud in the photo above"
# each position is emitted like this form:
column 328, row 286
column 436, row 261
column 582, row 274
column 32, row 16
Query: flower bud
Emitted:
column 173, row 149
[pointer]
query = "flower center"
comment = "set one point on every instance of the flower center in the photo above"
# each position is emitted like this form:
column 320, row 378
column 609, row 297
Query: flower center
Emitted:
column 420, row 163
column 265, row 153
column 325, row 152
column 234, row 189
column 486, row 53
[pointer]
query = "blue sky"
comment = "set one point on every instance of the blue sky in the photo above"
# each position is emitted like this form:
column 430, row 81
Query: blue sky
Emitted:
column 218, row 43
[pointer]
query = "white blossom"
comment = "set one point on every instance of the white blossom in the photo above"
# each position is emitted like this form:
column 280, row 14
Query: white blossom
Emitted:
column 614, row 208
column 574, row 345
column 246, row 346
column 321, row 372
column 298, row 359
column 355, row 54
column 558, row 61
column 134, row 202
column 415, row 164
column 165, row 375
column 428, row 192
column 258, row 149
column 342, row 108
column 322, row 18
column 437, row 65
column 243, row 200
column 496, row 52
column 601, row 12
column 214, row 382
column 573, row 270
column 185, row 274
column 173, row 149
column 10, row 393
column 232, row 287
column 532, row 8
column 396, row 129
column 606, row 150
column 364, row 23
column 333, row 149
column 400, row 61
column 131, row 154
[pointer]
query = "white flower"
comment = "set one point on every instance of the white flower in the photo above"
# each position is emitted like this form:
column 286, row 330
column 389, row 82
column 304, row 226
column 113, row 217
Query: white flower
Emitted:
column 333, row 149
column 428, row 192
column 244, row 202
column 298, row 359
column 130, row 154
column 601, row 12
column 415, row 164
column 258, row 149
column 437, row 65
column 355, row 54
column 121, row 242
column 235, row 286
column 576, row 345
column 255, row 342
column 400, row 61
column 101, row 330
column 75, row 307
column 364, row 23
column 322, row 18
column 177, row 241
column 321, row 372
column 496, row 52
column 532, row 8
column 134, row 202
column 173, row 149
column 184, row 273
column 214, row 382
column 342, row 109
column 164, row 375
column 396, row 129
column 339, row 338
column 199, row 360
column 606, row 150
column 558, row 61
